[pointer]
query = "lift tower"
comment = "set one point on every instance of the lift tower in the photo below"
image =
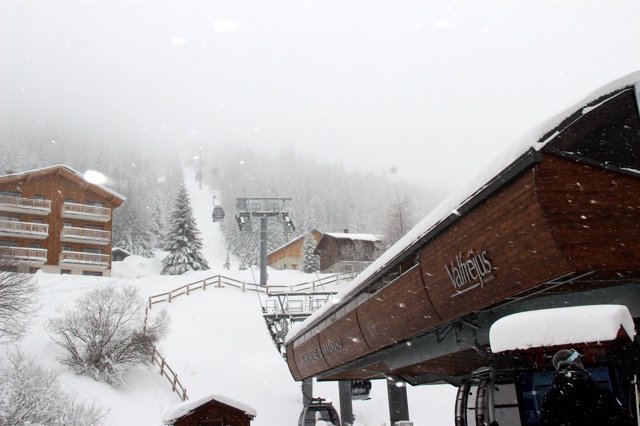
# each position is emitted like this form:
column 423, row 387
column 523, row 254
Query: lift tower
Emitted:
column 263, row 207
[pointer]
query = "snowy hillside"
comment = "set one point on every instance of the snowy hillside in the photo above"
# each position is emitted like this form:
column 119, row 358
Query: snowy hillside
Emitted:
column 217, row 344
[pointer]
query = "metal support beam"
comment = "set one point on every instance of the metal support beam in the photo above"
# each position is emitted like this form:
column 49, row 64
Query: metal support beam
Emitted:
column 346, row 407
column 263, row 251
column 398, row 405
column 307, row 392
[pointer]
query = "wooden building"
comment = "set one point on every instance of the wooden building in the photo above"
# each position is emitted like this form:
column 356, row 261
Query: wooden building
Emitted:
column 557, row 224
column 289, row 255
column 346, row 252
column 55, row 220
column 212, row 410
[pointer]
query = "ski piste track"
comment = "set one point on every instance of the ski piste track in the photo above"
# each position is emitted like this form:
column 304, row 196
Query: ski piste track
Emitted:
column 273, row 320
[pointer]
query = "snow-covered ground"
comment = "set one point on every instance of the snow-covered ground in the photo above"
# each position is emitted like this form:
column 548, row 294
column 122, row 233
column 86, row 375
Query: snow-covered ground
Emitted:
column 218, row 344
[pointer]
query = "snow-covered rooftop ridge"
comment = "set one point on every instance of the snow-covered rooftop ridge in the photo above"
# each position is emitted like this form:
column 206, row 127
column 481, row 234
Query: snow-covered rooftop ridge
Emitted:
column 473, row 186
column 186, row 407
column 72, row 170
column 350, row 236
column 560, row 326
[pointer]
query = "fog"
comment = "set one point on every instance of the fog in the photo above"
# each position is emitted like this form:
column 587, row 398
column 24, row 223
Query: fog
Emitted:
column 428, row 91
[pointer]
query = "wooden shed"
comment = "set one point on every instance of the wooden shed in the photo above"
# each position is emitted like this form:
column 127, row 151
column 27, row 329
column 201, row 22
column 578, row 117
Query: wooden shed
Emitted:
column 212, row 410
column 289, row 255
column 347, row 252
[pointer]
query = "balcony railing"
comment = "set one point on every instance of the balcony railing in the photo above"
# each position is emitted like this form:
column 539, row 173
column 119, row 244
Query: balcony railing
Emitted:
column 38, row 231
column 71, row 234
column 85, row 259
column 85, row 211
column 25, row 205
column 31, row 256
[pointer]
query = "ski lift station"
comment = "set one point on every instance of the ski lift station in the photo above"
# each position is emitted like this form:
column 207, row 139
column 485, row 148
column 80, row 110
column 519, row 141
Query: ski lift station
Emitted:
column 554, row 223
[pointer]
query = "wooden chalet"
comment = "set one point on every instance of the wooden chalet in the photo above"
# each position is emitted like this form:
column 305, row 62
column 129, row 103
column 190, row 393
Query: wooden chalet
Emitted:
column 210, row 410
column 557, row 224
column 55, row 220
column 289, row 255
column 346, row 252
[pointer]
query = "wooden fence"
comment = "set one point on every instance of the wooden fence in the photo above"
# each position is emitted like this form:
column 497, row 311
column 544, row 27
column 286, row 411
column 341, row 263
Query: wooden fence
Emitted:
column 167, row 372
column 222, row 281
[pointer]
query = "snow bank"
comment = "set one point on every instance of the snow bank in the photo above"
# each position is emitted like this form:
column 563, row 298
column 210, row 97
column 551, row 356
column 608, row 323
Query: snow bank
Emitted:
column 186, row 407
column 560, row 326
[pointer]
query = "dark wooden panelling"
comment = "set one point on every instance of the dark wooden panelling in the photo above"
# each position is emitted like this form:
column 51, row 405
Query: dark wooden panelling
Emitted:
column 397, row 312
column 512, row 231
column 291, row 362
column 308, row 357
column 342, row 341
column 593, row 214
column 378, row 370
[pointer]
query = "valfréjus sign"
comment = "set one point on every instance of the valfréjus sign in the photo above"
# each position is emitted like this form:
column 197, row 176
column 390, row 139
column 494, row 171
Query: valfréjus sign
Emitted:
column 472, row 272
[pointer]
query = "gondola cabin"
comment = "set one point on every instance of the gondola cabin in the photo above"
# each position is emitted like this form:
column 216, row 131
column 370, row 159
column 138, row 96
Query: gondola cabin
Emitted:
column 556, row 222
column 218, row 212
column 319, row 412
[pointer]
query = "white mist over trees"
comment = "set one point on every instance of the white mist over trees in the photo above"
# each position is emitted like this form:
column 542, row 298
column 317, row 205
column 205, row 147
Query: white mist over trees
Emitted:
column 324, row 196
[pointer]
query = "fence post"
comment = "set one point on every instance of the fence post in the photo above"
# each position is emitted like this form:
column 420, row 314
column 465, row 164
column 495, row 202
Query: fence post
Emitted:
column 187, row 289
column 150, row 304
column 169, row 297
column 153, row 355
column 173, row 385
column 161, row 365
column 243, row 284
column 219, row 282
column 204, row 284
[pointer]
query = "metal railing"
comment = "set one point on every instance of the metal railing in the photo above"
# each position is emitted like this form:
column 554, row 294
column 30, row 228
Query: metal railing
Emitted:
column 80, row 258
column 24, row 228
column 24, row 253
column 84, row 234
column 25, row 203
column 74, row 209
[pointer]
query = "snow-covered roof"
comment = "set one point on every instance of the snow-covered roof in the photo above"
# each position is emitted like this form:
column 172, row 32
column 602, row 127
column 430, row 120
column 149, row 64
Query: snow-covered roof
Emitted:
column 560, row 326
column 73, row 171
column 354, row 237
column 184, row 408
column 536, row 139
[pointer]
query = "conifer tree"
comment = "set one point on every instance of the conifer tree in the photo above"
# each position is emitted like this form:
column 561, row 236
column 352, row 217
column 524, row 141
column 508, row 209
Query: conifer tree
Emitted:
column 227, row 262
column 183, row 239
column 310, row 260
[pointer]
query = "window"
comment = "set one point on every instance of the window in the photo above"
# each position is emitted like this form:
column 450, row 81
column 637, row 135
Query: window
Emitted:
column 11, row 193
column 10, row 218
column 92, row 250
column 95, row 203
column 8, row 243
column 66, row 247
column 36, row 245
column 65, row 271
column 92, row 273
column 94, row 227
column 39, row 197
column 37, row 220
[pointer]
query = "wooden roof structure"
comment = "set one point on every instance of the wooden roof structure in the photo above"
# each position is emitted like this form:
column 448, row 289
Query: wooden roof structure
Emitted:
column 558, row 224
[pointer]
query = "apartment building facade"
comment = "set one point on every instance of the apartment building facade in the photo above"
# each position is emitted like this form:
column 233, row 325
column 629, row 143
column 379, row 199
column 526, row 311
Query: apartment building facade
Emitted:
column 53, row 219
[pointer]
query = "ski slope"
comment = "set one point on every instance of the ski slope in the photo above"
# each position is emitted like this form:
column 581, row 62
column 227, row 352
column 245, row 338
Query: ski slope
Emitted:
column 217, row 344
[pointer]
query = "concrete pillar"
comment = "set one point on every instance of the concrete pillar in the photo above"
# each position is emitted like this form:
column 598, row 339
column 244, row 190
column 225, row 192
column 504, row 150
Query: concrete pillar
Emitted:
column 398, row 404
column 346, row 407
column 307, row 391
column 263, row 251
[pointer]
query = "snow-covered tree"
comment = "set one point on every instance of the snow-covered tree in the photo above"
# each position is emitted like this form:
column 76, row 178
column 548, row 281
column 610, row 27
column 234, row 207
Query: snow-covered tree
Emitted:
column 18, row 294
column 399, row 218
column 227, row 262
column 310, row 260
column 32, row 395
column 183, row 239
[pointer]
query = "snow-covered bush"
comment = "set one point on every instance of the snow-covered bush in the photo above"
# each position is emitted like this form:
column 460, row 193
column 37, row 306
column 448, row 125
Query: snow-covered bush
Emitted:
column 30, row 394
column 105, row 332
column 17, row 300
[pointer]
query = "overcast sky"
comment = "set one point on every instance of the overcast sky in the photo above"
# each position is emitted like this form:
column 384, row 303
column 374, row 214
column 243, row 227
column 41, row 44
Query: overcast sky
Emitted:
column 432, row 89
